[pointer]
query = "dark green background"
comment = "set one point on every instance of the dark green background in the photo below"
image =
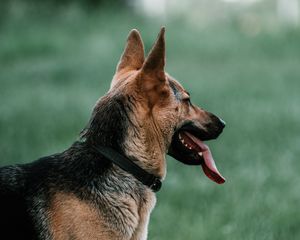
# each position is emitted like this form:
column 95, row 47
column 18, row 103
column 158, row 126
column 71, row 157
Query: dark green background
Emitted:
column 56, row 62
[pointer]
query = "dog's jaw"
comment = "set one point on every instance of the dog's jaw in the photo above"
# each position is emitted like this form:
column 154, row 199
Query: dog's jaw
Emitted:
column 187, row 147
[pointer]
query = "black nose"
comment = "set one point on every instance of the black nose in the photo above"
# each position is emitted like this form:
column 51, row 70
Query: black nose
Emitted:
column 217, row 122
column 219, row 125
column 222, row 123
column 215, row 127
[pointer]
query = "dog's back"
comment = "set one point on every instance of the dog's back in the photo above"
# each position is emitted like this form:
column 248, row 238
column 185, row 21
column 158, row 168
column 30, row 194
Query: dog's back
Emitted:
column 14, row 217
column 31, row 195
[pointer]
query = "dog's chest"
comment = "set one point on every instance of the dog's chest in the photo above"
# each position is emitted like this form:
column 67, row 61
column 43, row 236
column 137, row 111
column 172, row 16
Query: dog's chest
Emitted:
column 118, row 217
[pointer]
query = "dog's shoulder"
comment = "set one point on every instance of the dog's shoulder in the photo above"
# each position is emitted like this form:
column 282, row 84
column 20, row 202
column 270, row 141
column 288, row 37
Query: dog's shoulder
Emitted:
column 21, row 187
column 75, row 187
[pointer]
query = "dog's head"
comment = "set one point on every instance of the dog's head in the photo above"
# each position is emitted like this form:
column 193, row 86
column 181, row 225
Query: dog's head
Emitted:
column 156, row 116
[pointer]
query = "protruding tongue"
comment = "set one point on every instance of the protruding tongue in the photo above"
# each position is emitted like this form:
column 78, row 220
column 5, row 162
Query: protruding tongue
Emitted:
column 209, row 167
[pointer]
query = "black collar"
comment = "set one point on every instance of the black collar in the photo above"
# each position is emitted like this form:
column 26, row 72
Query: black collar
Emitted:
column 126, row 164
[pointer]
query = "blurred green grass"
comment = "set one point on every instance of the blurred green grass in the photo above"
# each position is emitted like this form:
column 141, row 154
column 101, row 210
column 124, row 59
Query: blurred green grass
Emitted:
column 54, row 69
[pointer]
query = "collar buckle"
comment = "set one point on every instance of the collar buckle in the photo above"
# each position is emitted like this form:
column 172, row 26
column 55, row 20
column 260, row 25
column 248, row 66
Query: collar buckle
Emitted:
column 155, row 185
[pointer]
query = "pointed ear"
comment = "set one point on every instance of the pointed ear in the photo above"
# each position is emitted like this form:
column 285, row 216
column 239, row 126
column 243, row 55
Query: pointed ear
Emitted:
column 155, row 62
column 152, row 80
column 133, row 55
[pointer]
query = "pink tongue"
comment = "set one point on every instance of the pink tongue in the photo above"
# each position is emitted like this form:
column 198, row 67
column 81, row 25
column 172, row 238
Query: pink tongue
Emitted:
column 209, row 167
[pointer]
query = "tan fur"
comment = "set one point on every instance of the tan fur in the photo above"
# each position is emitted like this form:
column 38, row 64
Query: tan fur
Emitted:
column 157, row 112
column 72, row 218
column 133, row 55
column 145, row 209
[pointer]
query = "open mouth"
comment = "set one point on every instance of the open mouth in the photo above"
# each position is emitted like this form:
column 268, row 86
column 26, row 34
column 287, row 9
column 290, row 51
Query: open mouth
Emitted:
column 188, row 147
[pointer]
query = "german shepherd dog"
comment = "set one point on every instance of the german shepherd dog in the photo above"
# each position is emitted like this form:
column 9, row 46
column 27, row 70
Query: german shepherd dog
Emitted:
column 88, row 193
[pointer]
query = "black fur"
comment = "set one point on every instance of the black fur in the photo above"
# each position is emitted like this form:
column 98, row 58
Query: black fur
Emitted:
column 26, row 190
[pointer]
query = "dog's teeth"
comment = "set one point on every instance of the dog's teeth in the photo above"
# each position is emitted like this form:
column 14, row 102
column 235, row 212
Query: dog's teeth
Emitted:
column 186, row 145
column 200, row 154
column 189, row 147
column 180, row 137
column 182, row 141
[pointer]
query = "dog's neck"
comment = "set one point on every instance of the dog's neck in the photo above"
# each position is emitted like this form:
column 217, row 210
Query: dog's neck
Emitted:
column 147, row 151
column 113, row 125
column 145, row 143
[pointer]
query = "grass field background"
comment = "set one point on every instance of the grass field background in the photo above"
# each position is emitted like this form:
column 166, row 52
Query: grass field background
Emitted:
column 53, row 68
